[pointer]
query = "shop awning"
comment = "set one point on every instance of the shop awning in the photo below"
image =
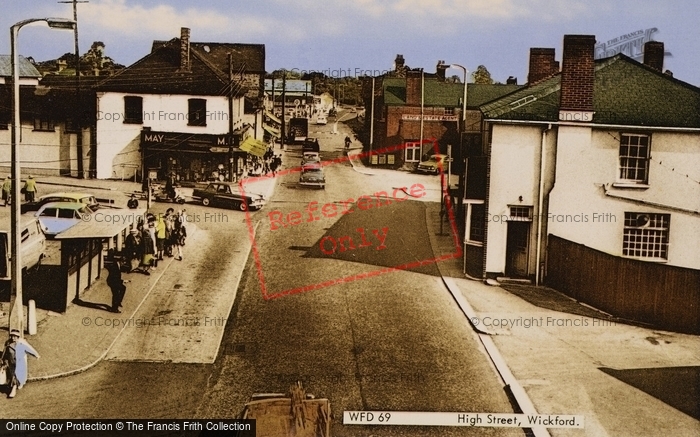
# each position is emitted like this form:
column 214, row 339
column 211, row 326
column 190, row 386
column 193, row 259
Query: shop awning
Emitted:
column 254, row 147
column 273, row 117
column 103, row 223
column 271, row 130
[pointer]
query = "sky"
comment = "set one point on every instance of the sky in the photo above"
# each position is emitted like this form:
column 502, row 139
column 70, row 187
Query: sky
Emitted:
column 363, row 37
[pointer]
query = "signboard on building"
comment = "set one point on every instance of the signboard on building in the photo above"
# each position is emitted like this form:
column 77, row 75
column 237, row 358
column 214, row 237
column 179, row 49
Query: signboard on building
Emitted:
column 429, row 117
column 254, row 147
column 585, row 116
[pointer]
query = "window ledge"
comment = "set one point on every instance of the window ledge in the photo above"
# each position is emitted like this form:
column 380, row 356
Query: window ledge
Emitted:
column 630, row 185
column 44, row 130
column 652, row 260
column 133, row 121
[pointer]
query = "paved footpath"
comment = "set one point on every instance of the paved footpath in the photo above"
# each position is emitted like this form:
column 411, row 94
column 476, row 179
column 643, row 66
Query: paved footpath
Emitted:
column 87, row 333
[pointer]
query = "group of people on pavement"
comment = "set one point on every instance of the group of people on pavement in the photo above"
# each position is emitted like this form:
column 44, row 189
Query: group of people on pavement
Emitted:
column 268, row 163
column 29, row 190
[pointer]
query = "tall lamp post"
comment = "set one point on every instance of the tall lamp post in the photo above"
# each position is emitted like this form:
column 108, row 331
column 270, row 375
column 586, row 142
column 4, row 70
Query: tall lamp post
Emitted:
column 16, row 320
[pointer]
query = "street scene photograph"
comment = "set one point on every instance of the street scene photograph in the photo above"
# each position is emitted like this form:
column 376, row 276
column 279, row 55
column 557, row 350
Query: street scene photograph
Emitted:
column 364, row 218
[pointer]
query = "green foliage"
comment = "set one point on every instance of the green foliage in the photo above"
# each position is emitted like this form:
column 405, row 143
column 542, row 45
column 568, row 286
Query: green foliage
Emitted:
column 482, row 75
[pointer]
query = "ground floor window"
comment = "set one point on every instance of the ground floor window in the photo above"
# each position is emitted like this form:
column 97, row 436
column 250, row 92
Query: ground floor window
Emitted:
column 413, row 152
column 646, row 235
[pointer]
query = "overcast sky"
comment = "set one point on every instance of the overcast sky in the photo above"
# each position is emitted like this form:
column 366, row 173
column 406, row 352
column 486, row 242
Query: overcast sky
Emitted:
column 349, row 37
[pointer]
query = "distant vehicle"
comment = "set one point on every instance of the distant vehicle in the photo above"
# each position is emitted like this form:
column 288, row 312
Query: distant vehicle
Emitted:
column 298, row 130
column 32, row 246
column 64, row 196
column 227, row 195
column 312, row 176
column 57, row 217
column 321, row 119
column 310, row 157
column 311, row 145
column 433, row 164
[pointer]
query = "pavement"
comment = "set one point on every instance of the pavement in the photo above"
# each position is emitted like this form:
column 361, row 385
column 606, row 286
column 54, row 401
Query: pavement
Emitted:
column 558, row 356
column 86, row 333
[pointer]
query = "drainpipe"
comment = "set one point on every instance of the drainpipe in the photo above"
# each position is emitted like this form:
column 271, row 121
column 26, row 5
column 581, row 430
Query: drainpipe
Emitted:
column 540, row 205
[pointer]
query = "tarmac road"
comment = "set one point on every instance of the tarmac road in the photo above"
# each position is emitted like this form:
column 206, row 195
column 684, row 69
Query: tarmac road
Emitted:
column 393, row 341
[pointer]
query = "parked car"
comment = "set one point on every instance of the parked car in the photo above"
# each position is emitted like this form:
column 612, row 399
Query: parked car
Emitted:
column 311, row 145
column 56, row 217
column 64, row 196
column 227, row 195
column 312, row 175
column 321, row 119
column 310, row 157
column 433, row 164
column 32, row 246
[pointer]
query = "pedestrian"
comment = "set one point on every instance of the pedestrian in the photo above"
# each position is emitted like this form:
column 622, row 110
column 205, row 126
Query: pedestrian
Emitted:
column 14, row 356
column 133, row 203
column 7, row 190
column 148, row 248
column 116, row 284
column 169, row 225
column 160, row 237
column 179, row 234
column 30, row 189
column 132, row 249
column 348, row 141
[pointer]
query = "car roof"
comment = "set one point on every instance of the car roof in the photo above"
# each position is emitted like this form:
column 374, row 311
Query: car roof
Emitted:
column 64, row 205
column 67, row 194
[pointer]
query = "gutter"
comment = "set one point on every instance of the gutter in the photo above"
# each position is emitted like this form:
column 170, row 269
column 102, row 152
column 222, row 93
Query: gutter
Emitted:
column 646, row 202
column 594, row 125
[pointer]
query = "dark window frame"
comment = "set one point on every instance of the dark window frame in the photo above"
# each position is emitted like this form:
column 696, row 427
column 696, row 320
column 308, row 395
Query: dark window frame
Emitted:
column 133, row 110
column 44, row 124
column 197, row 112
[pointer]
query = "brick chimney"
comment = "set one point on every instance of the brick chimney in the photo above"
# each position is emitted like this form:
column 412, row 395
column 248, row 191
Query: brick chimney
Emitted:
column 184, row 49
column 413, row 87
column 399, row 63
column 440, row 70
column 654, row 55
column 542, row 65
column 577, row 78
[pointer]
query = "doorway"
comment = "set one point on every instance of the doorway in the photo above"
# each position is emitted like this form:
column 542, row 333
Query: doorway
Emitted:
column 517, row 249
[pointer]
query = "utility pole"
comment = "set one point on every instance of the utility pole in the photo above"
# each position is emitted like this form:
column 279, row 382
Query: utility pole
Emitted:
column 230, row 120
column 284, row 109
column 79, row 112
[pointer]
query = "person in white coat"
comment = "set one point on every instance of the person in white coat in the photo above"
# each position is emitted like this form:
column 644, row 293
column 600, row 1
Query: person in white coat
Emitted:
column 15, row 356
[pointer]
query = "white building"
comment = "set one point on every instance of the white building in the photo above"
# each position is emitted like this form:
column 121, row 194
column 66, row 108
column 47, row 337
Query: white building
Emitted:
column 179, row 111
column 593, row 186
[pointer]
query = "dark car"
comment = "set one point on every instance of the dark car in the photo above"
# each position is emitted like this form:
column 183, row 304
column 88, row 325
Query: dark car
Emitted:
column 311, row 145
column 227, row 195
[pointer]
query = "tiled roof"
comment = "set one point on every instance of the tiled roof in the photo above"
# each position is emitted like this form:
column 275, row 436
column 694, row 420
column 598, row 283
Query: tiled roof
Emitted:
column 26, row 68
column 625, row 93
column 248, row 57
column 159, row 73
column 445, row 94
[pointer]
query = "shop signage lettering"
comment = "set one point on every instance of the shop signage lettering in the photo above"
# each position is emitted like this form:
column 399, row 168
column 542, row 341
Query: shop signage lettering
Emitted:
column 414, row 117
column 153, row 138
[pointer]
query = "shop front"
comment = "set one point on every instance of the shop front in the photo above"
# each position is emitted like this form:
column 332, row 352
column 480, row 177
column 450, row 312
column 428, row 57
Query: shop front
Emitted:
column 192, row 157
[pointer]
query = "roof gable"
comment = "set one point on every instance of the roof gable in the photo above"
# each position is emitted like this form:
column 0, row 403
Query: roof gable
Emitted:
column 159, row 73
column 248, row 58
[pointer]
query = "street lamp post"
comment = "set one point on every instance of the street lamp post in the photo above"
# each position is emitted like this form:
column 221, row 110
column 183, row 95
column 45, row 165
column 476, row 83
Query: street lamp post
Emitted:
column 16, row 320
column 464, row 98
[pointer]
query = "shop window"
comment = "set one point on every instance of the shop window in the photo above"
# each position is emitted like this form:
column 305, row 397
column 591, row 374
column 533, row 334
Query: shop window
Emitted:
column 197, row 112
column 133, row 109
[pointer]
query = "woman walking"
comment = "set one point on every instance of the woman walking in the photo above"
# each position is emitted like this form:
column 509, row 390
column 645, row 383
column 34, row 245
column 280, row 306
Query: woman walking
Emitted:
column 179, row 234
column 15, row 357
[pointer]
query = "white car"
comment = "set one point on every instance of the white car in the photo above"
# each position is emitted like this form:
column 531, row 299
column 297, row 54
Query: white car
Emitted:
column 57, row 217
column 321, row 119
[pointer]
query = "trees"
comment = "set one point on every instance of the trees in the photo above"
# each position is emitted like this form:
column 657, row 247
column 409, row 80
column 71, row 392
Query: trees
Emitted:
column 482, row 75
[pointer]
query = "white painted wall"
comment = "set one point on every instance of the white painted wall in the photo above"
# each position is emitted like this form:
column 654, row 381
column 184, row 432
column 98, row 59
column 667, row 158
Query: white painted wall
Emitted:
column 118, row 142
column 515, row 162
column 587, row 159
